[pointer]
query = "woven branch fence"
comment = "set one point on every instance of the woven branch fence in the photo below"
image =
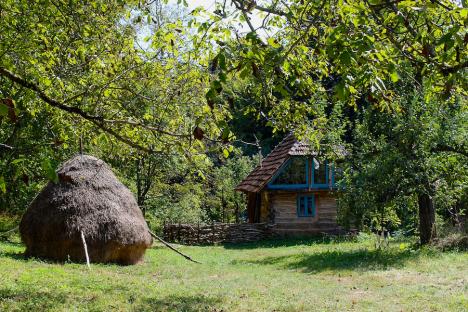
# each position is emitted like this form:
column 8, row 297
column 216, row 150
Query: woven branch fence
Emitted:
column 197, row 234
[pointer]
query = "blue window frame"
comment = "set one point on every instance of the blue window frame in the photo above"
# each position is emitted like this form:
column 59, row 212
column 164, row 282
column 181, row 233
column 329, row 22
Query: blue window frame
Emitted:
column 294, row 174
column 306, row 206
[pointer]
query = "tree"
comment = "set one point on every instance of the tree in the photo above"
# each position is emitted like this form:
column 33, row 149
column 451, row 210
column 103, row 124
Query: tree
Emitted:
column 401, row 161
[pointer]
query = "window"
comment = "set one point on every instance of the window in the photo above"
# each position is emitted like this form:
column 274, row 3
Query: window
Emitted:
column 300, row 173
column 320, row 175
column 292, row 175
column 306, row 206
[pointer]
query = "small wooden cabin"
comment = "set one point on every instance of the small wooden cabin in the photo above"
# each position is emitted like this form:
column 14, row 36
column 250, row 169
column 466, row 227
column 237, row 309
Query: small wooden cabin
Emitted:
column 293, row 190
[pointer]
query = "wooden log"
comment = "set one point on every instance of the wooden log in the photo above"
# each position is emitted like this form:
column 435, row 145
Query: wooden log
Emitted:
column 172, row 248
column 9, row 232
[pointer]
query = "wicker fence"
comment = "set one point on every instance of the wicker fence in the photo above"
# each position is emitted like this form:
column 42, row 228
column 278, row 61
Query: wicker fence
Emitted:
column 216, row 233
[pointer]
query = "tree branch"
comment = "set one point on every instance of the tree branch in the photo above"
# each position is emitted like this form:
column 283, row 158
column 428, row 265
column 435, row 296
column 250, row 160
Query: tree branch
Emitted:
column 272, row 10
column 6, row 146
column 74, row 110
column 99, row 121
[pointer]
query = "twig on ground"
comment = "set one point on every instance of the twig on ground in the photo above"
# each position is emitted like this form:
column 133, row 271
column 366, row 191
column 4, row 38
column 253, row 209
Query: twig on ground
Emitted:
column 172, row 248
column 9, row 232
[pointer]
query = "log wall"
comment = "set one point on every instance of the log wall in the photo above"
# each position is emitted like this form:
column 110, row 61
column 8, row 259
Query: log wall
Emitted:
column 283, row 206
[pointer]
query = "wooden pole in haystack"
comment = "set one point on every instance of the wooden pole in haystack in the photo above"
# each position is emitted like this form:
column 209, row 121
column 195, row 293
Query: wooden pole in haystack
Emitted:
column 86, row 250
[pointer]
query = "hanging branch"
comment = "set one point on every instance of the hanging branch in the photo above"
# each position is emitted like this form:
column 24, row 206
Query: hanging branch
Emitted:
column 99, row 121
column 6, row 146
column 172, row 248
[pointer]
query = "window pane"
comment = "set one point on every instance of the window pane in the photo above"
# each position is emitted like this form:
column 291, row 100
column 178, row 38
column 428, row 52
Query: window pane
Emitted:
column 320, row 174
column 301, row 206
column 310, row 205
column 294, row 173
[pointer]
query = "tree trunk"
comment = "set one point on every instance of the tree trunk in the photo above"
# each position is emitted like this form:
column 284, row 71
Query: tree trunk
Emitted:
column 427, row 228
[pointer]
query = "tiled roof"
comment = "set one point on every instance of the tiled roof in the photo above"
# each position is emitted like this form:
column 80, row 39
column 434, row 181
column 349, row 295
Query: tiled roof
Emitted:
column 260, row 176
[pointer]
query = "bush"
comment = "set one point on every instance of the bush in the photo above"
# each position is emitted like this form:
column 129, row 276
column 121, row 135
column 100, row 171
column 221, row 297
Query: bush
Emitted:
column 455, row 241
column 8, row 222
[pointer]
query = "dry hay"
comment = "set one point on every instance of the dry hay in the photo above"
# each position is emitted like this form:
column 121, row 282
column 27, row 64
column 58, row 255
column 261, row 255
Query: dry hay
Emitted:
column 88, row 198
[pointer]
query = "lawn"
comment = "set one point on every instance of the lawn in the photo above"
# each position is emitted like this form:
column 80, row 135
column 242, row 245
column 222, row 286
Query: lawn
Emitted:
column 286, row 275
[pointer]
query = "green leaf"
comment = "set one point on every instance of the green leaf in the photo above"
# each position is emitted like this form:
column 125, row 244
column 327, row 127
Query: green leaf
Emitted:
column 340, row 91
column 3, row 110
column 225, row 134
column 244, row 73
column 222, row 61
column 394, row 76
column 211, row 94
column 352, row 89
column 222, row 77
column 49, row 170
column 345, row 57
column 2, row 185
column 272, row 41
column 217, row 86
column 225, row 153
column 464, row 13
column 46, row 82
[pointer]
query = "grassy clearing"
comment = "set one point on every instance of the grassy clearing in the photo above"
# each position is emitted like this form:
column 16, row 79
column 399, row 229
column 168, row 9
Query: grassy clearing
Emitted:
column 289, row 275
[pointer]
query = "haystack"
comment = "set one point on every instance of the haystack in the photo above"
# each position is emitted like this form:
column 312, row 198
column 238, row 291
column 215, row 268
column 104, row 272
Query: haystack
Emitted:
column 88, row 198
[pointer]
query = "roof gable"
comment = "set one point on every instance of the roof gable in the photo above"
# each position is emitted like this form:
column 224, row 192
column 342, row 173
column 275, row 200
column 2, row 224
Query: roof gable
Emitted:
column 260, row 176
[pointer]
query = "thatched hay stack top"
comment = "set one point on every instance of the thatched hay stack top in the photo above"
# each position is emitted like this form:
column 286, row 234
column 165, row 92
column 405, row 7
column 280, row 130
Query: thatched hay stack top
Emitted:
column 88, row 198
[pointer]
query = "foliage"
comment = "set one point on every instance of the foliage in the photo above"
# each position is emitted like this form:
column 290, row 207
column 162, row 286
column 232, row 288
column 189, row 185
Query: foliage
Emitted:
column 341, row 50
column 7, row 222
column 78, row 74
column 86, row 60
column 397, row 156
column 454, row 241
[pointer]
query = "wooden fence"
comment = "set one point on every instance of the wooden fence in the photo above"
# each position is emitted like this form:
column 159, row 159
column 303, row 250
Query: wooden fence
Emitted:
column 197, row 234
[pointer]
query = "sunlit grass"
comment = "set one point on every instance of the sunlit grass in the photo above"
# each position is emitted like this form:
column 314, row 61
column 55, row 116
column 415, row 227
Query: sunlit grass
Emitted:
column 286, row 275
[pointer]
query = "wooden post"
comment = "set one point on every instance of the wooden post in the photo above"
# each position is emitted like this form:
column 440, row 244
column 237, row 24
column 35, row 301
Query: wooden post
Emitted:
column 212, row 233
column 81, row 145
column 178, row 233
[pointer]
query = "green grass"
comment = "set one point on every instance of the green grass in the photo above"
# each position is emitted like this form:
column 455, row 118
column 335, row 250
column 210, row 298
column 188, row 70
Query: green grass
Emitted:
column 288, row 275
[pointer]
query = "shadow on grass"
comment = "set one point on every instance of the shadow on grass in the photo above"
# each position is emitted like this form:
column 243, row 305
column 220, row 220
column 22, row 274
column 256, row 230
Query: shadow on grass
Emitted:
column 20, row 256
column 179, row 303
column 361, row 260
column 289, row 242
column 25, row 299
column 13, row 255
